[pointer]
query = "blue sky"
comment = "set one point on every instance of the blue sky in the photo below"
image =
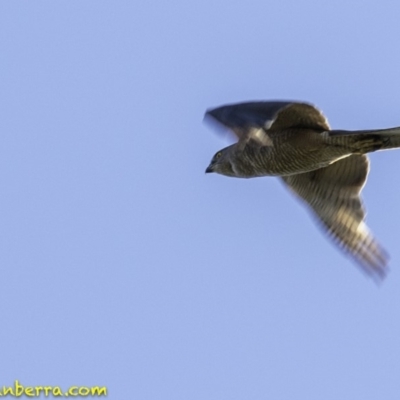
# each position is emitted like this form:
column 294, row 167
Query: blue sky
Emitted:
column 124, row 265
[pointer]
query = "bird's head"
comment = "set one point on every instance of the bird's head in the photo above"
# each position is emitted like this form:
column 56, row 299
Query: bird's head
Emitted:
column 221, row 163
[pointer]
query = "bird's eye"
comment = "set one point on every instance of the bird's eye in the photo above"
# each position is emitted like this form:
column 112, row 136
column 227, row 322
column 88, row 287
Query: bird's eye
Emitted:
column 218, row 155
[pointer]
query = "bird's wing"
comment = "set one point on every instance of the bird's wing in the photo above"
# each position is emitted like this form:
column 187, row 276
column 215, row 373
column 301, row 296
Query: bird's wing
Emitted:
column 254, row 120
column 299, row 115
column 333, row 193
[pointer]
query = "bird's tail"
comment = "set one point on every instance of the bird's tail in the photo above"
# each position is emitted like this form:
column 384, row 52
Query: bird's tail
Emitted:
column 366, row 141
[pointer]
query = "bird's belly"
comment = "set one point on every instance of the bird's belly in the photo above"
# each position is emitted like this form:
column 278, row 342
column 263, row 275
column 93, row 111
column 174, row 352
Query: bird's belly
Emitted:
column 294, row 160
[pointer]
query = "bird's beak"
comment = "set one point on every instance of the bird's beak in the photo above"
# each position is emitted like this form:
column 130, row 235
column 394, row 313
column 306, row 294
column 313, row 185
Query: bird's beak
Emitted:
column 209, row 169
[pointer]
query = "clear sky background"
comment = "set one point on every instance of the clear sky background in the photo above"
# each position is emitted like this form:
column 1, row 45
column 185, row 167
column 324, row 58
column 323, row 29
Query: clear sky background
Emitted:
column 124, row 265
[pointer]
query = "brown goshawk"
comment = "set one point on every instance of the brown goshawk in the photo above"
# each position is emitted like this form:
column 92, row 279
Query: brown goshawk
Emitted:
column 326, row 168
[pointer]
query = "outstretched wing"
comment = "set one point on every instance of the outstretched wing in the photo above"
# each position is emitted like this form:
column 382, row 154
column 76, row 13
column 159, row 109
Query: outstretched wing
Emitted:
column 333, row 193
column 254, row 119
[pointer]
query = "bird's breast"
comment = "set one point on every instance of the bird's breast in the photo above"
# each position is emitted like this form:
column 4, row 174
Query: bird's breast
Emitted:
column 288, row 155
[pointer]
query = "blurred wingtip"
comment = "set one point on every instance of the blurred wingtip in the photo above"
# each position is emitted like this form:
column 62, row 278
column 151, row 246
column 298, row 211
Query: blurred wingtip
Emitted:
column 211, row 118
column 375, row 265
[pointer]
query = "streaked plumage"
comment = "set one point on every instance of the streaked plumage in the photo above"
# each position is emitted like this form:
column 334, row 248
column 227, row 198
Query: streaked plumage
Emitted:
column 326, row 168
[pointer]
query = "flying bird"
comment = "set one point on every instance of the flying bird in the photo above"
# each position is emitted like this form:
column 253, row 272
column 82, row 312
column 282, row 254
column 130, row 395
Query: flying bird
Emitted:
column 325, row 168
